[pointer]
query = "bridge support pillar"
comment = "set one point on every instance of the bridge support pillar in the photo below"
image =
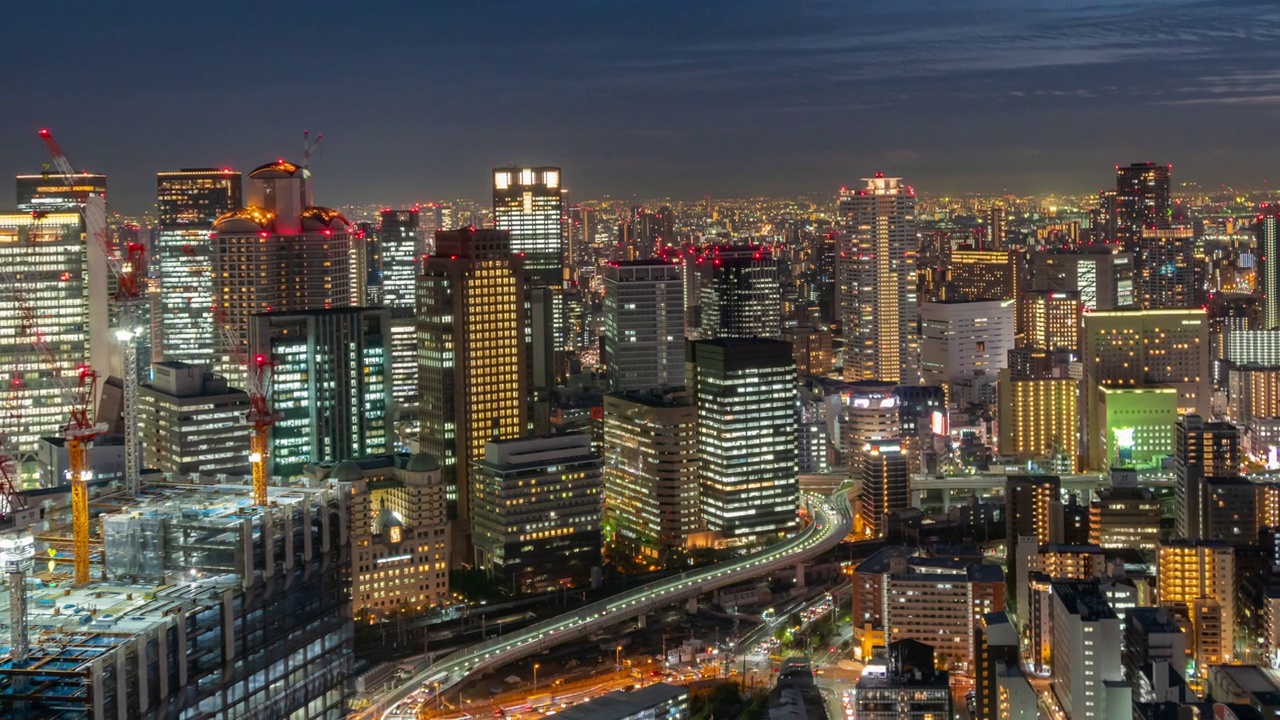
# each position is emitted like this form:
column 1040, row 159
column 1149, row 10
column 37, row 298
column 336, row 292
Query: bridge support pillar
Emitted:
column 799, row 575
column 641, row 622
column 692, row 606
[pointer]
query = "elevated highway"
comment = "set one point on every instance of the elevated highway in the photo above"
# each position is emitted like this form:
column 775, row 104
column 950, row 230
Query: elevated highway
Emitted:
column 832, row 521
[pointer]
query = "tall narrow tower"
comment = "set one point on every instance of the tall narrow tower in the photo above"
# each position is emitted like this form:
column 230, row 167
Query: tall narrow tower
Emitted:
column 876, row 276
column 471, row 352
column 1268, row 234
column 187, row 203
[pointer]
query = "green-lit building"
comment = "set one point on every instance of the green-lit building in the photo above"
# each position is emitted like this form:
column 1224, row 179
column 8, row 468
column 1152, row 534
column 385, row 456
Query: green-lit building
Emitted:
column 1137, row 424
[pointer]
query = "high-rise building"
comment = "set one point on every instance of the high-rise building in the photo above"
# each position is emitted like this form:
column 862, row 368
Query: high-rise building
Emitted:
column 745, row 391
column 964, row 346
column 1151, row 635
column 976, row 275
column 884, row 486
column 1204, row 450
column 741, row 293
column 46, row 255
column 190, row 423
column 399, row 531
column 279, row 253
column 529, row 203
column 1142, row 201
column 366, row 264
column 995, row 239
column 1101, row 274
column 401, row 247
column 187, row 204
column 876, row 280
column 1051, row 320
column 1267, row 234
column 1039, row 419
column 45, row 192
column 651, row 471
column 472, row 376
column 1137, row 348
column 1134, row 426
column 1200, row 575
column 536, row 511
column 1165, row 276
column 1088, row 678
column 644, row 325
column 329, row 384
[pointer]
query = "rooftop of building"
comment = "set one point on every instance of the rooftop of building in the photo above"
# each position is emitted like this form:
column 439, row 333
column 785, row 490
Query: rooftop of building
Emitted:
column 621, row 704
column 1084, row 598
column 1152, row 620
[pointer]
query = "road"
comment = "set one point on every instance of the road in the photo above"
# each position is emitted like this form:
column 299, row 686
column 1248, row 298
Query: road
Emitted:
column 832, row 522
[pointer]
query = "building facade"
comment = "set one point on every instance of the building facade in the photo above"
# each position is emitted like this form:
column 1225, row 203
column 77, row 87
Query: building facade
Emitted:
column 643, row 325
column 875, row 279
column 187, row 204
column 537, row 509
column 191, row 423
column 330, row 384
column 471, row 351
column 745, row 391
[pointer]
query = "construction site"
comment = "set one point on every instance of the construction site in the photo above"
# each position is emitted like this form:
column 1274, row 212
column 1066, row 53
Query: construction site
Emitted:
column 147, row 596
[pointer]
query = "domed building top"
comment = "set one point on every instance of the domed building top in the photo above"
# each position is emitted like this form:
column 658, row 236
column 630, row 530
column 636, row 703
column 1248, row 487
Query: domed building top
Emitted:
column 245, row 219
column 390, row 524
column 347, row 471
column 315, row 217
column 422, row 462
column 279, row 169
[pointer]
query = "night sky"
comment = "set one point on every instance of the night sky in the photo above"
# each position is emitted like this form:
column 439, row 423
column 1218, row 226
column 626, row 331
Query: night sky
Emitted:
column 417, row 100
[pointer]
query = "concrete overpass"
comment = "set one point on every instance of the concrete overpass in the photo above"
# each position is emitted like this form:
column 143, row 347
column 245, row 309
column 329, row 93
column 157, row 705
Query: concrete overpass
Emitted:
column 832, row 521
column 952, row 490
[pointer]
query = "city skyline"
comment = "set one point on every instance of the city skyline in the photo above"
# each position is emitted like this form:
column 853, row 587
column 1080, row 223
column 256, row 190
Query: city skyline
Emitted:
column 742, row 100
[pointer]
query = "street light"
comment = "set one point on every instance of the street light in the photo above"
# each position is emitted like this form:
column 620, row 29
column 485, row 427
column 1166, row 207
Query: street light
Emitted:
column 535, row 678
column 617, row 658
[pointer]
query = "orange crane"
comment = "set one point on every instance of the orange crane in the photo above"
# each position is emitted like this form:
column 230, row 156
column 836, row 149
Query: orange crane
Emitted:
column 81, row 431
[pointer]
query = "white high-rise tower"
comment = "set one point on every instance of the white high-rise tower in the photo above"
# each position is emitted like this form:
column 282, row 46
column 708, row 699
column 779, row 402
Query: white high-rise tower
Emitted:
column 877, row 280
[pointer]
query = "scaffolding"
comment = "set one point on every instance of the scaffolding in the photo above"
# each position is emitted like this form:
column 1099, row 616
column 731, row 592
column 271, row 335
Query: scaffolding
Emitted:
column 213, row 607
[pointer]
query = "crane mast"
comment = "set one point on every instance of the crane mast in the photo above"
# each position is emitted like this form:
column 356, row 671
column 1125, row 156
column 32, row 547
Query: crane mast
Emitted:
column 128, row 265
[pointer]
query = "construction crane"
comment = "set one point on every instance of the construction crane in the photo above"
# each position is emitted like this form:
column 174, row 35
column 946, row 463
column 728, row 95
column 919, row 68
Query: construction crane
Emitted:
column 129, row 268
column 309, row 146
column 261, row 415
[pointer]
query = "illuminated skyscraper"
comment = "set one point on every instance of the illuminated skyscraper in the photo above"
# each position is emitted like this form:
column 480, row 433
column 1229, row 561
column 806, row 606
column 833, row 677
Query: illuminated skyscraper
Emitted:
column 190, row 423
column 651, row 471
column 529, row 203
column 47, row 258
column 741, row 293
column 883, row 483
column 1142, row 201
column 1268, row 273
column 974, row 275
column 876, row 280
column 279, row 253
column 472, row 372
column 1165, row 274
column 643, row 325
column 1039, row 419
column 48, row 193
column 1052, row 320
column 329, row 383
column 745, row 390
column 187, row 204
column 964, row 345
column 1102, row 274
column 401, row 246
column 1202, row 576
